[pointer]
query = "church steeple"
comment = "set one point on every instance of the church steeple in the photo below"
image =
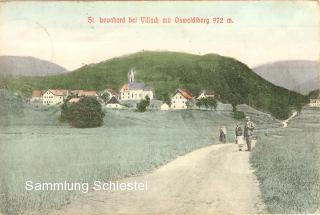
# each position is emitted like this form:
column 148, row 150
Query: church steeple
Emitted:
column 131, row 76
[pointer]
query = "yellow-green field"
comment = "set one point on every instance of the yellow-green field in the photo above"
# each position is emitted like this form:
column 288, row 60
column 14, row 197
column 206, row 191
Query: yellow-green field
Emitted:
column 287, row 164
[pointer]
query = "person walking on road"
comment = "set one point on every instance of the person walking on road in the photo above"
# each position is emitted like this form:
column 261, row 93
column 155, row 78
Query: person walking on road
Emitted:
column 223, row 133
column 248, row 132
column 239, row 137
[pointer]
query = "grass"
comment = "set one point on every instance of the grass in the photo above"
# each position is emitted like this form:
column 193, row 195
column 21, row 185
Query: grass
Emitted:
column 287, row 164
column 36, row 146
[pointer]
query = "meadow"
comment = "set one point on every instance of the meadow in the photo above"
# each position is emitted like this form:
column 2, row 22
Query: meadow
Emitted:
column 287, row 163
column 36, row 146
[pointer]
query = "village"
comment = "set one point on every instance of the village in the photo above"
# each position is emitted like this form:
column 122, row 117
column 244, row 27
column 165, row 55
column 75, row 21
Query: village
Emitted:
column 130, row 93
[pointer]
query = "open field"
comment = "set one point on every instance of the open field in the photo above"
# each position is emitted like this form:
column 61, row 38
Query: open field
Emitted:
column 288, row 165
column 36, row 146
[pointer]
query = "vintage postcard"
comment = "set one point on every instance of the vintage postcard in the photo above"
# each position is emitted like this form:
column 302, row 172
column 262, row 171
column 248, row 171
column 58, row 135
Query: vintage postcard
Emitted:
column 159, row 107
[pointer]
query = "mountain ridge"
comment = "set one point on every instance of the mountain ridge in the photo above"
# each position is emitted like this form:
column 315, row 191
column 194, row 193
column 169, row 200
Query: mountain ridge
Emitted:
column 28, row 66
column 301, row 76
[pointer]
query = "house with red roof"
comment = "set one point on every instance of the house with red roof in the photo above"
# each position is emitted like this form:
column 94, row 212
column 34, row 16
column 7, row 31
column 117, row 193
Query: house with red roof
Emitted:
column 36, row 96
column 180, row 99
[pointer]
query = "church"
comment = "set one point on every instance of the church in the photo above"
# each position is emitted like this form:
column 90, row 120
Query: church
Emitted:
column 134, row 90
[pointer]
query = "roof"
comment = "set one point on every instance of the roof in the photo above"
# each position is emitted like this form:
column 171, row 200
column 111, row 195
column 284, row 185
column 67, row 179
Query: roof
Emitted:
column 87, row 93
column 37, row 93
column 315, row 98
column 135, row 86
column 207, row 93
column 59, row 92
column 113, row 100
column 185, row 93
column 112, row 92
column 74, row 100
column 125, row 87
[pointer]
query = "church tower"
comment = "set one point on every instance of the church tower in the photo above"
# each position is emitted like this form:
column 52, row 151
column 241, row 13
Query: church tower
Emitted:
column 131, row 76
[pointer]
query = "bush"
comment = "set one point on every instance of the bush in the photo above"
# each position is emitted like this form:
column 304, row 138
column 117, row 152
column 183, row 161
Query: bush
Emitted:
column 143, row 104
column 238, row 115
column 207, row 102
column 87, row 113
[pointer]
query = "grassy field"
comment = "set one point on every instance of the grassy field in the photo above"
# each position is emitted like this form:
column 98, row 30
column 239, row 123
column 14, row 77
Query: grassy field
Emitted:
column 36, row 146
column 287, row 164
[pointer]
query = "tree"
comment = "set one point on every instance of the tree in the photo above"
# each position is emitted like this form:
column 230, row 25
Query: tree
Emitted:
column 87, row 113
column 199, row 103
column 238, row 115
column 64, row 112
column 234, row 106
column 143, row 104
column 105, row 97
column 167, row 99
column 212, row 102
column 189, row 104
column 204, row 102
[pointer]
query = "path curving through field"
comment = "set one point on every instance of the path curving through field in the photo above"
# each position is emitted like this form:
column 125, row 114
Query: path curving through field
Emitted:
column 285, row 122
column 214, row 179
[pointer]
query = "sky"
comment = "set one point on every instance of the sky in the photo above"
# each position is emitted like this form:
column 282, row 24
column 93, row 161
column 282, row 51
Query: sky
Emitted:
column 59, row 32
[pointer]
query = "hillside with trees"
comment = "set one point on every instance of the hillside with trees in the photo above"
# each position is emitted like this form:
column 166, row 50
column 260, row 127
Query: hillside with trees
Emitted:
column 233, row 81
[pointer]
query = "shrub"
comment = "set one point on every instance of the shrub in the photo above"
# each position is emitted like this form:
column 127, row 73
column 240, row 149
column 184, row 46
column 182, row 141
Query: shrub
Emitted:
column 207, row 102
column 238, row 115
column 87, row 113
column 143, row 104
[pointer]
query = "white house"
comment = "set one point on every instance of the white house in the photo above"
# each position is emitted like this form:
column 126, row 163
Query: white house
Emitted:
column 36, row 96
column 54, row 97
column 113, row 103
column 164, row 106
column 315, row 102
column 180, row 99
column 134, row 90
column 206, row 94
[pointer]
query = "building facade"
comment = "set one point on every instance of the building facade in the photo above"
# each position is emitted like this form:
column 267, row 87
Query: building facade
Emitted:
column 315, row 102
column 135, row 91
column 180, row 99
column 54, row 97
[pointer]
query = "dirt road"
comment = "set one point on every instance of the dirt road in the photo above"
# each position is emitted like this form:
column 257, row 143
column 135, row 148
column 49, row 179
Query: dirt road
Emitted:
column 214, row 179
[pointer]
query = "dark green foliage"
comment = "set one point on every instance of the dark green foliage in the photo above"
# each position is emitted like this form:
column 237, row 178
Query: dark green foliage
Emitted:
column 314, row 94
column 143, row 104
column 166, row 98
column 238, row 115
column 207, row 102
column 166, row 71
column 87, row 113
column 212, row 102
column 10, row 103
column 199, row 103
column 105, row 97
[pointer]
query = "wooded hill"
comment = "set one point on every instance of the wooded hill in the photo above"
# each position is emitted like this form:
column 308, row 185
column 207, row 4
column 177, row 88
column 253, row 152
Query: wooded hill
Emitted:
column 232, row 80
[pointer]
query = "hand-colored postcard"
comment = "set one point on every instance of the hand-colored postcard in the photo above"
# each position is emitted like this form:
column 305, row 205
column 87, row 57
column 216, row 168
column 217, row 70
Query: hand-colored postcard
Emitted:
column 159, row 107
